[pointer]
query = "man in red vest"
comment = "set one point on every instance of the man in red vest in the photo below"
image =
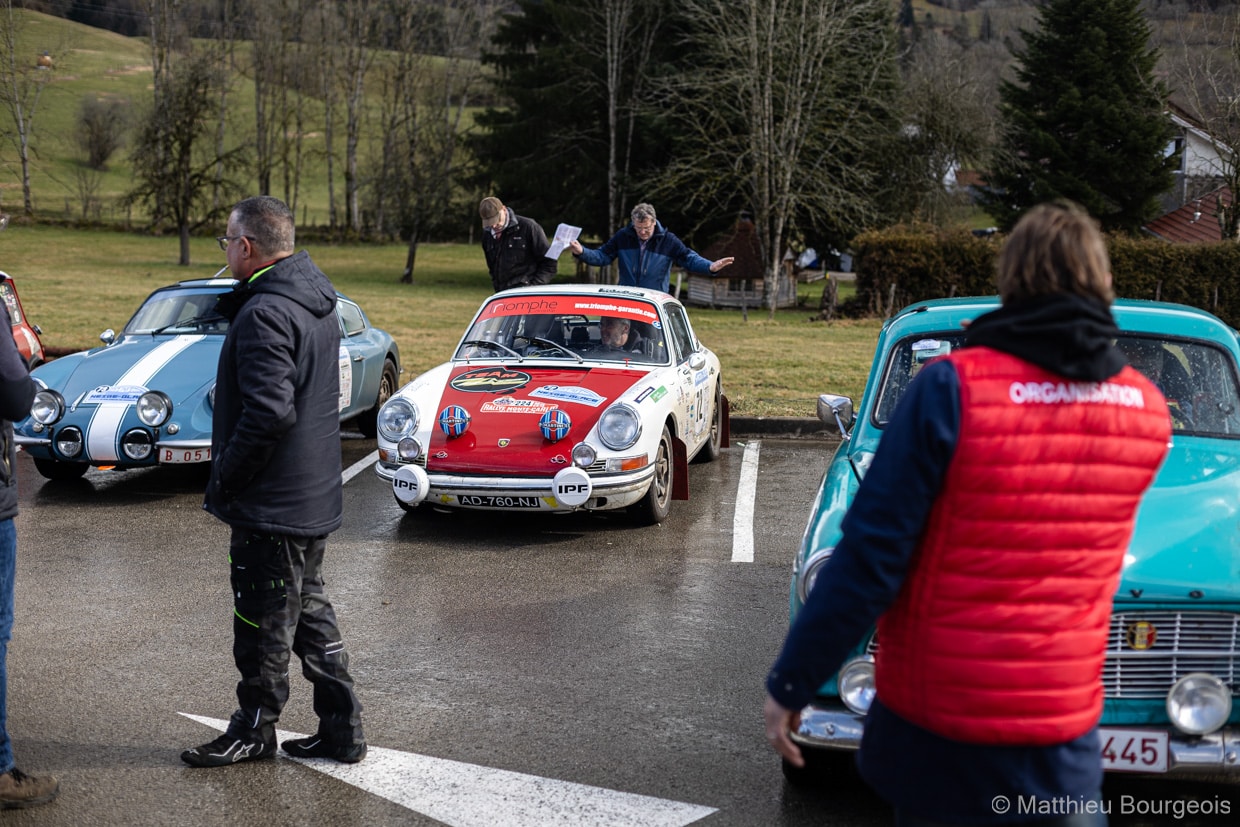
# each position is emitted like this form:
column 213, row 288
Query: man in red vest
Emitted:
column 986, row 542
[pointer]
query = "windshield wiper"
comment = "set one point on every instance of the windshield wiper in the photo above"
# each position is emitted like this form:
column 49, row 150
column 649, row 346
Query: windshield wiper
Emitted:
column 213, row 316
column 495, row 345
column 540, row 341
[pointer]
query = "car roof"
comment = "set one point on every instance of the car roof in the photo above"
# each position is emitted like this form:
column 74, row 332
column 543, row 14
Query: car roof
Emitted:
column 1166, row 318
column 657, row 296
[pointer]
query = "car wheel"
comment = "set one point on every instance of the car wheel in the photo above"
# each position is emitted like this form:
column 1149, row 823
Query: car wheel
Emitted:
column 54, row 470
column 823, row 770
column 367, row 422
column 713, row 447
column 657, row 503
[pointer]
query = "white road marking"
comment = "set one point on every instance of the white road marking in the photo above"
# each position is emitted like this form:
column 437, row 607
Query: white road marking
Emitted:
column 746, row 491
column 467, row 795
column 359, row 466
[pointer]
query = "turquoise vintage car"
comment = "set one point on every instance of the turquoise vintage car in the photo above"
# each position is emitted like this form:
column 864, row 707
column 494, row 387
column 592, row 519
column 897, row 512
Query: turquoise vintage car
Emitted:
column 144, row 398
column 1171, row 671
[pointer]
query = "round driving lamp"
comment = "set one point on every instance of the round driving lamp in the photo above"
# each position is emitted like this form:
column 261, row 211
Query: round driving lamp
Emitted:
column 154, row 408
column 48, row 407
column 211, row 398
column 856, row 684
column 397, row 419
column 809, row 572
column 69, row 442
column 584, row 455
column 408, row 449
column 1198, row 704
column 619, row 427
column 137, row 444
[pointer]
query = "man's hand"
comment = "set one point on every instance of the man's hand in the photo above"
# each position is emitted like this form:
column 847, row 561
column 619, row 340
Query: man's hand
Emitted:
column 575, row 247
column 719, row 264
column 779, row 722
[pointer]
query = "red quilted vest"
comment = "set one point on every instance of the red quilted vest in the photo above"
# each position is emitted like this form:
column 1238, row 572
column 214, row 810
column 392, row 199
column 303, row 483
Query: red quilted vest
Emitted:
column 998, row 634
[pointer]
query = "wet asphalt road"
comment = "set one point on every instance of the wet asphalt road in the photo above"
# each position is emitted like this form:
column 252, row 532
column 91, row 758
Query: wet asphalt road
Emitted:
column 600, row 666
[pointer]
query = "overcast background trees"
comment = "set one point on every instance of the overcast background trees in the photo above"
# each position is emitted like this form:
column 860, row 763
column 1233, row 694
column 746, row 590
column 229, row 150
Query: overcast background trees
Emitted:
column 816, row 119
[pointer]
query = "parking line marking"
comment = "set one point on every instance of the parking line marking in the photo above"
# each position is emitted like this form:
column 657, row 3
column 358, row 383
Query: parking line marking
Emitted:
column 468, row 795
column 746, row 492
column 359, row 466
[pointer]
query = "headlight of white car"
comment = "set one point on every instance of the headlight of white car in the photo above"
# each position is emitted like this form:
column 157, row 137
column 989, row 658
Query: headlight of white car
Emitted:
column 1199, row 703
column 398, row 418
column 154, row 408
column 619, row 427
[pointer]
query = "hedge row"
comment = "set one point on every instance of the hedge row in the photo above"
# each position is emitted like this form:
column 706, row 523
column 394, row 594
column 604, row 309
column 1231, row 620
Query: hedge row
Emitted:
column 901, row 265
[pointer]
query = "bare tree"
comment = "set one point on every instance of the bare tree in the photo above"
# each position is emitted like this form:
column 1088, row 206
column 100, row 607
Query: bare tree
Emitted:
column 1206, row 69
column 628, row 29
column 359, row 19
column 785, row 99
column 424, row 108
column 179, row 175
column 23, row 77
column 101, row 127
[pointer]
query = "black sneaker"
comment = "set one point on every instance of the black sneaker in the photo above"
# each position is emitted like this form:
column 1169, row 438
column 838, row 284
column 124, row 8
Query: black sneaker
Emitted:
column 317, row 747
column 229, row 749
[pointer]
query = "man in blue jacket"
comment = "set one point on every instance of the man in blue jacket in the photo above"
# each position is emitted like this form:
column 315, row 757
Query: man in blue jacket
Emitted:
column 17, row 391
column 647, row 252
column 275, row 479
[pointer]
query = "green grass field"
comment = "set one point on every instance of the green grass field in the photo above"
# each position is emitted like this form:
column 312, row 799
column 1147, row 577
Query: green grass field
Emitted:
column 76, row 283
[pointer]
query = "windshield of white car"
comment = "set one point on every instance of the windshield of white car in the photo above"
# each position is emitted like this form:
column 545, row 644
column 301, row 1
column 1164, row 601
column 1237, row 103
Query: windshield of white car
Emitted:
column 564, row 336
column 178, row 311
column 1197, row 378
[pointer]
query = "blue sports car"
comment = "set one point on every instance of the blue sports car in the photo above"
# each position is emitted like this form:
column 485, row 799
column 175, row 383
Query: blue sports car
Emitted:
column 144, row 398
column 1172, row 668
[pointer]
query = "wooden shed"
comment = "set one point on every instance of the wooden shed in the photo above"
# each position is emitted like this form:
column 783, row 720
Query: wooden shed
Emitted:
column 742, row 283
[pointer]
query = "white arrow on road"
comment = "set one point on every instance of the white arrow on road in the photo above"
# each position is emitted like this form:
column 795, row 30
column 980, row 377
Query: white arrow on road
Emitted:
column 467, row 795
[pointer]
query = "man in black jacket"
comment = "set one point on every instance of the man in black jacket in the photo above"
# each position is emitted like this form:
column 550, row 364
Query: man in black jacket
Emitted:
column 17, row 391
column 275, row 479
column 515, row 247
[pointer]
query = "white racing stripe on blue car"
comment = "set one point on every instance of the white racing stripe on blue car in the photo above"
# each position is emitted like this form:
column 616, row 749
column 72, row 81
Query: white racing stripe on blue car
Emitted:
column 103, row 431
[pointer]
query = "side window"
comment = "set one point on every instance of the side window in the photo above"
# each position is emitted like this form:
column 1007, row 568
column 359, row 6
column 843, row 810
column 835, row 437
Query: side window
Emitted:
column 351, row 319
column 10, row 302
column 680, row 334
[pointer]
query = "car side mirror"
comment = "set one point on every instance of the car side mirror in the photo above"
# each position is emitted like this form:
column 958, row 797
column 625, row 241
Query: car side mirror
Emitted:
column 108, row 336
column 696, row 361
column 837, row 410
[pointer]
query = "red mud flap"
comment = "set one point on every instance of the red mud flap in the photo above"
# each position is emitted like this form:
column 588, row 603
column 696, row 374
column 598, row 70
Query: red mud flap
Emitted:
column 725, row 422
column 680, row 470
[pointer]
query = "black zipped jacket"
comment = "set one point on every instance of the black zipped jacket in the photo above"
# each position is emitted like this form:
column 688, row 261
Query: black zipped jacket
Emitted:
column 275, row 436
column 519, row 255
column 16, row 393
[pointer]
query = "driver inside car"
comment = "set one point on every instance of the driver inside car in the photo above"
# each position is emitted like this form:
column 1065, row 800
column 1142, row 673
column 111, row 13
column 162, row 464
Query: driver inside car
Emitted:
column 613, row 333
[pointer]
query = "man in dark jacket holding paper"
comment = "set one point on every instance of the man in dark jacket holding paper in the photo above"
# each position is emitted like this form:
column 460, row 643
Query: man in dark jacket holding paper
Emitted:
column 275, row 479
column 515, row 247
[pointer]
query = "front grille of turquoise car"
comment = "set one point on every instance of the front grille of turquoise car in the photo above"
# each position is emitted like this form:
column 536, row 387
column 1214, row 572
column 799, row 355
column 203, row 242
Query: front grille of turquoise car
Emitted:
column 1147, row 652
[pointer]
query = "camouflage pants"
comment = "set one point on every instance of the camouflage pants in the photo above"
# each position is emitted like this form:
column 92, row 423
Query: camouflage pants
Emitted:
column 280, row 608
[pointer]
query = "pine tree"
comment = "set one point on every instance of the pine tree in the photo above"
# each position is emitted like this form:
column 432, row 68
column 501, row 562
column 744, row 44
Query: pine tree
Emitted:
column 1085, row 118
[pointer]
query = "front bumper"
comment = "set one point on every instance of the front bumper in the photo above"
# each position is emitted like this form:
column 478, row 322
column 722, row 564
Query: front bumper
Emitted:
column 607, row 492
column 836, row 728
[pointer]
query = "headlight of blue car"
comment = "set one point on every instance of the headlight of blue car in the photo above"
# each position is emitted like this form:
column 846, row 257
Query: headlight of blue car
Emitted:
column 154, row 408
column 398, row 418
column 619, row 427
column 48, row 407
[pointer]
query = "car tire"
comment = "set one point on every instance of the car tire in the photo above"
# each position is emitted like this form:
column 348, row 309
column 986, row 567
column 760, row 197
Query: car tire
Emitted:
column 60, row 471
column 823, row 770
column 367, row 423
column 656, row 504
column 714, row 445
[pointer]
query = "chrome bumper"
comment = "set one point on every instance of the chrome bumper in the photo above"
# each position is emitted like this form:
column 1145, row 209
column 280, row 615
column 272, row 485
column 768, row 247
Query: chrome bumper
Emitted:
column 1219, row 752
column 617, row 490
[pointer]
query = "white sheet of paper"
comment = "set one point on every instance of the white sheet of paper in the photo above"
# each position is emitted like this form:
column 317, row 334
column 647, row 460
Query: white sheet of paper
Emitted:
column 563, row 234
